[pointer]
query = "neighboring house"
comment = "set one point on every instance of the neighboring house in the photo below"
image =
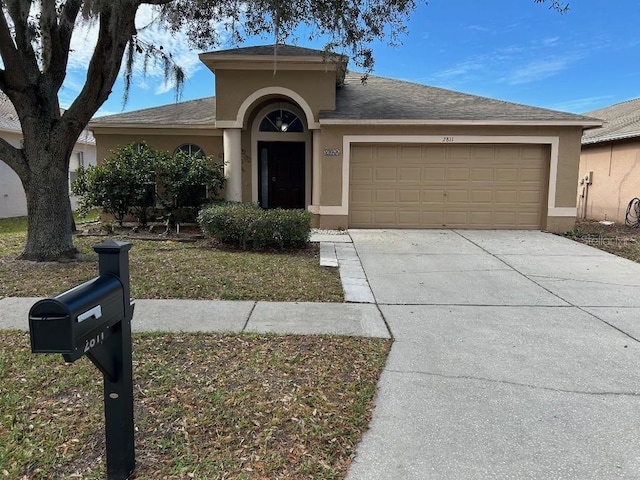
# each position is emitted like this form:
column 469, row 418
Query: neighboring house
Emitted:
column 295, row 131
column 13, row 202
column 610, row 163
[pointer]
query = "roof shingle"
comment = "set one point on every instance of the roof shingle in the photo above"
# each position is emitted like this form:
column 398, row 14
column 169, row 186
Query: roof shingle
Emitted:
column 192, row 112
column 387, row 99
column 378, row 99
column 621, row 121
column 269, row 50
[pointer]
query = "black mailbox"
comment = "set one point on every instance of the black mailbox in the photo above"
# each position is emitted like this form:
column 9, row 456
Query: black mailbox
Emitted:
column 74, row 322
column 94, row 319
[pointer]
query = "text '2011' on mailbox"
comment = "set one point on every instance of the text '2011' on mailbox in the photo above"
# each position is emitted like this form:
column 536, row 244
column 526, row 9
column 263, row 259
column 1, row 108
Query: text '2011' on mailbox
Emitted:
column 77, row 320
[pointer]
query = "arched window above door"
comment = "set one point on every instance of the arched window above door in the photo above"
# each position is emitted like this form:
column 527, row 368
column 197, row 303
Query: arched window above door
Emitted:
column 282, row 121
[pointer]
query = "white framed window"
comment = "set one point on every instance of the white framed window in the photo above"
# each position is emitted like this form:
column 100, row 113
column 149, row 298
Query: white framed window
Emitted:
column 191, row 149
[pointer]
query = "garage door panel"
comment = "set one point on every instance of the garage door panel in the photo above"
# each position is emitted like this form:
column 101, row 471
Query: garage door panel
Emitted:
column 408, row 218
column 385, row 196
column 482, row 174
column 433, row 174
column 385, row 174
column 457, row 196
column 409, row 196
column 361, row 195
column 479, row 219
column 529, row 198
column 506, row 197
column 456, row 219
column 411, row 153
column 505, row 219
column 361, row 174
column 533, row 175
column 458, row 174
column 482, row 196
column 361, row 217
column 434, row 196
column 409, row 174
column 385, row 217
column 507, row 175
column 456, row 186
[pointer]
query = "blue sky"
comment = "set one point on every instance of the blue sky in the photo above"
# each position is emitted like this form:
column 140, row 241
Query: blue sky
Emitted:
column 513, row 50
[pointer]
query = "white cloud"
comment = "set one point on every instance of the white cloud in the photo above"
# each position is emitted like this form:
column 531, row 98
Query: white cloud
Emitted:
column 152, row 32
column 586, row 104
column 535, row 70
column 550, row 42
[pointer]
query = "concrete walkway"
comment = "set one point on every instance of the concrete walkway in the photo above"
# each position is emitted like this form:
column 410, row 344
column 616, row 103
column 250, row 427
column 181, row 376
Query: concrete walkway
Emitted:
column 362, row 320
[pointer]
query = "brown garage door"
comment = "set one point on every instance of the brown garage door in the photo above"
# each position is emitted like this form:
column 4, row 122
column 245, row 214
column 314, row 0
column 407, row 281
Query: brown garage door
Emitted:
column 451, row 186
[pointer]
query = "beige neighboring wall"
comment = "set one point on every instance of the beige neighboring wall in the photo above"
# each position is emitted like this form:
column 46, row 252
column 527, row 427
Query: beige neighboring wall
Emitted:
column 616, row 180
column 109, row 139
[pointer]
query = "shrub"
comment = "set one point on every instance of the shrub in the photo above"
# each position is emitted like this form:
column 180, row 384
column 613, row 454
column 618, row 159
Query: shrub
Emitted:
column 121, row 185
column 248, row 226
column 136, row 178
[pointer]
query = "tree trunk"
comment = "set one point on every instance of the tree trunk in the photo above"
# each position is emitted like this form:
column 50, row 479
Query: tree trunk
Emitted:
column 49, row 235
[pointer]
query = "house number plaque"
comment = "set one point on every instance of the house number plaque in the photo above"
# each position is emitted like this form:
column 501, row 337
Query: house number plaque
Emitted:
column 328, row 152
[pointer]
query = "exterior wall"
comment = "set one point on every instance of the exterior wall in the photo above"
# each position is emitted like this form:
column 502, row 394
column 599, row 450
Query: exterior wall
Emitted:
column 233, row 87
column 332, row 212
column 13, row 202
column 560, row 218
column 616, row 180
column 108, row 139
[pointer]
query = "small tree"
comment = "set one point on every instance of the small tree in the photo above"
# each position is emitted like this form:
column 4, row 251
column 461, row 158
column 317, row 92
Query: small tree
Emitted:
column 187, row 181
column 122, row 185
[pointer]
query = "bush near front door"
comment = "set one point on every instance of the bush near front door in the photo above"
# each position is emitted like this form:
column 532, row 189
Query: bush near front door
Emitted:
column 248, row 226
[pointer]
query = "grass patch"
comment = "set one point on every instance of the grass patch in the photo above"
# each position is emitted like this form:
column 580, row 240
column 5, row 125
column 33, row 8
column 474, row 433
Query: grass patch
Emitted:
column 13, row 225
column 16, row 225
column 173, row 269
column 189, row 270
column 207, row 406
column 618, row 239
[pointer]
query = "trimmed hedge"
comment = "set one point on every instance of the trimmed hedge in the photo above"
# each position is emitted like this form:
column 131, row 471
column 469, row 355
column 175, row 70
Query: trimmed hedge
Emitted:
column 248, row 226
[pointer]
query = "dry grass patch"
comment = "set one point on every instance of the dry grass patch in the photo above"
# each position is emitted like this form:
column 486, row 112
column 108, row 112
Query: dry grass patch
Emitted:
column 175, row 269
column 618, row 239
column 207, row 406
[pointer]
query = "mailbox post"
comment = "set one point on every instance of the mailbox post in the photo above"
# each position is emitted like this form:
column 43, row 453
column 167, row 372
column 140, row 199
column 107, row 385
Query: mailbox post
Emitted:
column 94, row 319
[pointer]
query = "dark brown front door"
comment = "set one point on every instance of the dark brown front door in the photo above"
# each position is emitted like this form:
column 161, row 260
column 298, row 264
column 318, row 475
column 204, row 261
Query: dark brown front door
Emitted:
column 281, row 178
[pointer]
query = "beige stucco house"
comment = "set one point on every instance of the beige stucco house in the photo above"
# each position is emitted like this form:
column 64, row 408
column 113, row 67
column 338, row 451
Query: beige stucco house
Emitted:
column 13, row 201
column 295, row 130
column 609, row 174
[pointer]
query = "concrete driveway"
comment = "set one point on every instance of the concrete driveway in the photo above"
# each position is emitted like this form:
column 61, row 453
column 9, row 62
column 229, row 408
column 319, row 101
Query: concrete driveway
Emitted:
column 516, row 356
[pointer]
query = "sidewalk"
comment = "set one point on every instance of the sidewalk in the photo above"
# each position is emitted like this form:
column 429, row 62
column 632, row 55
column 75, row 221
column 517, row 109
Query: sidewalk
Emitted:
column 301, row 318
column 358, row 317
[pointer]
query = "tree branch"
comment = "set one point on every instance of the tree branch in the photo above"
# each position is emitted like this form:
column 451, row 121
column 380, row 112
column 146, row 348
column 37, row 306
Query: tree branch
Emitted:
column 23, row 39
column 13, row 157
column 60, row 42
column 14, row 76
column 116, row 28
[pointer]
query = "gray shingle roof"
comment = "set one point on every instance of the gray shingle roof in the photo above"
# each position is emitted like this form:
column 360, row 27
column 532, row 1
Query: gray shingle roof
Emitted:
column 388, row 99
column 621, row 121
column 378, row 99
column 201, row 112
column 268, row 50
